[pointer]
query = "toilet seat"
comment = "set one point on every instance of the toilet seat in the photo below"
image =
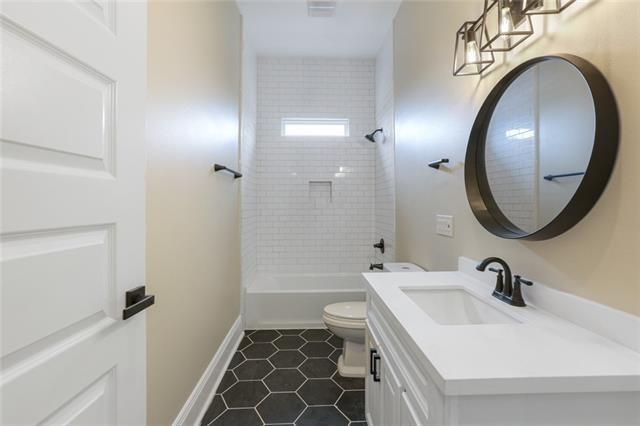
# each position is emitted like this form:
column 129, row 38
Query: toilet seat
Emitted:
column 346, row 314
column 347, row 310
column 341, row 322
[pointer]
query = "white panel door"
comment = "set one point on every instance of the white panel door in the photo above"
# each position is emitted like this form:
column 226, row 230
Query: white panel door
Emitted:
column 73, row 83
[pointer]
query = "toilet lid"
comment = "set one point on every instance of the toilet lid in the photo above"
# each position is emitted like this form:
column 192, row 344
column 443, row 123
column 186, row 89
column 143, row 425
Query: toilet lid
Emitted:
column 352, row 310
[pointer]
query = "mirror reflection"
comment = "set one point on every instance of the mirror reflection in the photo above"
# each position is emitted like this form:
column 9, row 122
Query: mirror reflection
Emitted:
column 539, row 143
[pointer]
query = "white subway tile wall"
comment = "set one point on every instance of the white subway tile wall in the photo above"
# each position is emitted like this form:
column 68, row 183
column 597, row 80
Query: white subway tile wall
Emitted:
column 248, row 167
column 385, row 202
column 304, row 226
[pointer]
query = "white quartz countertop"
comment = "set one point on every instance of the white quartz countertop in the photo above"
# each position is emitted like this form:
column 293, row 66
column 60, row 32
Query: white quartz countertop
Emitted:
column 542, row 353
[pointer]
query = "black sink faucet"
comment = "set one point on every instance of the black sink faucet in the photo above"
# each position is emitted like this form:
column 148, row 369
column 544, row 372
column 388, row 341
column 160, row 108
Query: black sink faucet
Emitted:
column 504, row 287
column 516, row 297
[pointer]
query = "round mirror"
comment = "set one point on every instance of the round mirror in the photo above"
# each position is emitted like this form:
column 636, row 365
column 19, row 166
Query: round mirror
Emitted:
column 542, row 148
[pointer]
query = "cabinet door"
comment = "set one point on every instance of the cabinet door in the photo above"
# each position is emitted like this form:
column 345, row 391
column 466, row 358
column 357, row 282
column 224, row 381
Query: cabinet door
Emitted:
column 373, row 390
column 408, row 416
column 391, row 390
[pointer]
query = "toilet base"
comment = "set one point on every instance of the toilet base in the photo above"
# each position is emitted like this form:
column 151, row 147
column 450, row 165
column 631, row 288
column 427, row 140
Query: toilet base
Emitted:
column 352, row 361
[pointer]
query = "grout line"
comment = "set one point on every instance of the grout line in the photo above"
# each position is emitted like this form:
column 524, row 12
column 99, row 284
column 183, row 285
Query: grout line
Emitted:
column 340, row 411
column 294, row 392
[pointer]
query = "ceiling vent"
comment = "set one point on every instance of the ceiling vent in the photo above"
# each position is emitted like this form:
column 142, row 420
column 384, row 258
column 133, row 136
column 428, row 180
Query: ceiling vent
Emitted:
column 321, row 8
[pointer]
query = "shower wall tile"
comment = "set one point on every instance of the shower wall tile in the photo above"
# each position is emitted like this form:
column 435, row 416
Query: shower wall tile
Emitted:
column 385, row 200
column 300, row 226
column 248, row 167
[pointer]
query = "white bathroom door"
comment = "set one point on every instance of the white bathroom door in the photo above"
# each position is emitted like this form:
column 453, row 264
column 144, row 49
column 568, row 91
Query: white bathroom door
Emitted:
column 73, row 83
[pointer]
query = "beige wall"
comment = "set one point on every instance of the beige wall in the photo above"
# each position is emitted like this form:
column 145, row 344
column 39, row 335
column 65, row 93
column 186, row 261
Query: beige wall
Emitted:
column 193, row 263
column 597, row 259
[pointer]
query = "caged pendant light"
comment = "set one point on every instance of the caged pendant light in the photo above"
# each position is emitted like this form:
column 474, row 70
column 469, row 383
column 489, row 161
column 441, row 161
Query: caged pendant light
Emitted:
column 545, row 7
column 504, row 25
column 468, row 59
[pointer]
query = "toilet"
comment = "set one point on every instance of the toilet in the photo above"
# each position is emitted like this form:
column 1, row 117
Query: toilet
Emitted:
column 348, row 321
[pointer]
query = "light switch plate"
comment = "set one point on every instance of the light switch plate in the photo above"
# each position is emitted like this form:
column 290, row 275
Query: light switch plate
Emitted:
column 444, row 225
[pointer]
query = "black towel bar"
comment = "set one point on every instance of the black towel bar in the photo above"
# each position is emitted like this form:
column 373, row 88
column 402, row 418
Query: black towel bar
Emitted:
column 436, row 164
column 552, row 177
column 220, row 167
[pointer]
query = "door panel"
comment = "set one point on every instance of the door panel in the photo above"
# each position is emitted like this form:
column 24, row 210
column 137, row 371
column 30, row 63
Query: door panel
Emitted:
column 74, row 265
column 37, row 77
column 73, row 82
column 95, row 405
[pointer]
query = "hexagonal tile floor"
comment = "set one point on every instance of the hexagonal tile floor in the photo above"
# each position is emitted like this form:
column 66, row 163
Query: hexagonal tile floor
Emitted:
column 287, row 377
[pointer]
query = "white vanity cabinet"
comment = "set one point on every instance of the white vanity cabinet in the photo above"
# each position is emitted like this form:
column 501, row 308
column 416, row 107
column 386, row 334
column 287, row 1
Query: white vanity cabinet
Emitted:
column 400, row 391
column 392, row 395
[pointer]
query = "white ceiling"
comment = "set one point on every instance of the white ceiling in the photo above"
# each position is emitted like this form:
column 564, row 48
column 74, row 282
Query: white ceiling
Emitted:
column 283, row 28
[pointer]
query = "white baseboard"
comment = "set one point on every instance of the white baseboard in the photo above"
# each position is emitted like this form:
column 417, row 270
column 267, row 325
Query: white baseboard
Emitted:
column 202, row 395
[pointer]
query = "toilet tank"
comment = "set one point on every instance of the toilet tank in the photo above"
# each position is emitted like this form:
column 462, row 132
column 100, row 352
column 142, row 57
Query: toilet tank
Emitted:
column 401, row 267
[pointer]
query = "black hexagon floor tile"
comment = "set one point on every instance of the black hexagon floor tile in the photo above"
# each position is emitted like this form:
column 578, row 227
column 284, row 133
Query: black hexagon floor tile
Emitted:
column 325, row 416
column 287, row 359
column 317, row 349
column 348, row 383
column 319, row 389
column 335, row 341
column 320, row 392
column 236, row 359
column 228, row 380
column 259, row 351
column 253, row 369
column 316, row 335
column 286, row 332
column 264, row 336
column 283, row 380
column 244, row 417
column 281, row 408
column 244, row 343
column 351, row 403
column 289, row 342
column 215, row 409
column 245, row 394
column 318, row 368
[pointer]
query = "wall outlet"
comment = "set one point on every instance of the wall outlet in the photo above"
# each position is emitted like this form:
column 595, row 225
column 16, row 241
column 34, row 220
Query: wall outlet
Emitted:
column 444, row 225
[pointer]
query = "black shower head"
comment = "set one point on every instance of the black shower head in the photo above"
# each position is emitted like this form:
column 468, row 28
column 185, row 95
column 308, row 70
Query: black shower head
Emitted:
column 371, row 137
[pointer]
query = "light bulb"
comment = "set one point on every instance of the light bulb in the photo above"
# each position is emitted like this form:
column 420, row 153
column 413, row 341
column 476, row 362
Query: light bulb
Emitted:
column 506, row 23
column 472, row 52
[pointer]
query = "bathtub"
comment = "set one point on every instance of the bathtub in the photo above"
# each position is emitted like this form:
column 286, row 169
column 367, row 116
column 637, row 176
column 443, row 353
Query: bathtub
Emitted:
column 297, row 300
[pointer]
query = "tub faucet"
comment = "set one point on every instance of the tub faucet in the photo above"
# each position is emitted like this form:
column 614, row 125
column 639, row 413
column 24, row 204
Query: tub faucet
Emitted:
column 373, row 266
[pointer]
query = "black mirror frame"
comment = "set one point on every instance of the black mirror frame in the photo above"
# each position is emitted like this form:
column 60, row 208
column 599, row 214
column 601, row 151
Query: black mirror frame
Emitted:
column 598, row 172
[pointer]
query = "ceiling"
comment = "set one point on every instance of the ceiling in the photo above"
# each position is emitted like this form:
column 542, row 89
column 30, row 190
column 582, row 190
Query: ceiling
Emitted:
column 284, row 28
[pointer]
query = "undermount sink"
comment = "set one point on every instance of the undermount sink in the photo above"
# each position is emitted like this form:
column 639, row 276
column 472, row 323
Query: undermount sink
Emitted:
column 456, row 306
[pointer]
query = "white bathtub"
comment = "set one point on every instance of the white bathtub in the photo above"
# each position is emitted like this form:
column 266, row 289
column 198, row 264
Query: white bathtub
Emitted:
column 297, row 300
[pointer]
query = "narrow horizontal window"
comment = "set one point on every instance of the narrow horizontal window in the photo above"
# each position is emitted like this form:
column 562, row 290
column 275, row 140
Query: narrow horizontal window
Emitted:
column 332, row 127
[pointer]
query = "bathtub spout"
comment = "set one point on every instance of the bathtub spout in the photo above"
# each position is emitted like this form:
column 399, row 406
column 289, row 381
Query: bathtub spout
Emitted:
column 375, row 266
